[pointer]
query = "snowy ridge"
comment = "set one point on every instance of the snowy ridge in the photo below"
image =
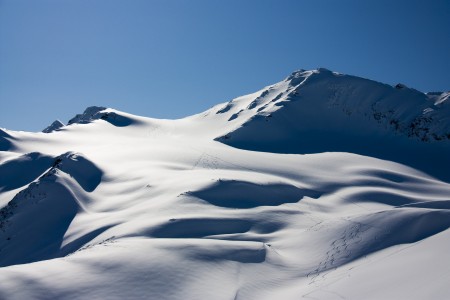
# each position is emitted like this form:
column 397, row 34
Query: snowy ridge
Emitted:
column 325, row 93
column 300, row 190
column 91, row 113
column 45, row 207
column 319, row 110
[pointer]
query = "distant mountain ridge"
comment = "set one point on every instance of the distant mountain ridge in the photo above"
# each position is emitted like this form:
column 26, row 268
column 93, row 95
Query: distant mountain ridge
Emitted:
column 314, row 111
column 403, row 110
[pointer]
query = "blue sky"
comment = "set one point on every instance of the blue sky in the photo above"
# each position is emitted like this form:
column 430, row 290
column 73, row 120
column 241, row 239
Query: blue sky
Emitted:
column 169, row 59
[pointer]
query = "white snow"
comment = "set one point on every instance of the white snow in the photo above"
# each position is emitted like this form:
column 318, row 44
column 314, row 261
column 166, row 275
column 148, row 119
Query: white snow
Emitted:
column 301, row 190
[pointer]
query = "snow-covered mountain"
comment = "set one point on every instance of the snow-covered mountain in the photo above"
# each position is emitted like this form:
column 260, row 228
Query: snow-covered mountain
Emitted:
column 321, row 186
column 57, row 124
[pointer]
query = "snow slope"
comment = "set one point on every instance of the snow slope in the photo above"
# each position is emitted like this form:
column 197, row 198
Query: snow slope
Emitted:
column 328, row 111
column 317, row 187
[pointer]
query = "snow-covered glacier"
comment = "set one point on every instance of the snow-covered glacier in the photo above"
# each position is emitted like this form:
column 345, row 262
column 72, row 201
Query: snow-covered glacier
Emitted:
column 321, row 186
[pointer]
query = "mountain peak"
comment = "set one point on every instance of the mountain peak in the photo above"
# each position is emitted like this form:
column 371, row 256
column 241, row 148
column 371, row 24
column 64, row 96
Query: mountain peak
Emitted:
column 57, row 124
column 299, row 76
column 87, row 116
column 320, row 110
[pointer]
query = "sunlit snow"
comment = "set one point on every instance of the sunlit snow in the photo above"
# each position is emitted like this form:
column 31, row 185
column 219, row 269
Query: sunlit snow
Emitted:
column 321, row 186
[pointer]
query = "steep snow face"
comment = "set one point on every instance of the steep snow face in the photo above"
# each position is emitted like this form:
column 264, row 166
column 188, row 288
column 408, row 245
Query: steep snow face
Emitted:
column 319, row 110
column 321, row 99
column 117, row 206
column 33, row 224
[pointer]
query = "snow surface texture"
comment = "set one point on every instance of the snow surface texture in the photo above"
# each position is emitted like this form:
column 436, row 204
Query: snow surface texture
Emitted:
column 322, row 186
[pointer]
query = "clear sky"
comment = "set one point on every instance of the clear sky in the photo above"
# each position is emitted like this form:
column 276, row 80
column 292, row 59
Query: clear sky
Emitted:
column 169, row 59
